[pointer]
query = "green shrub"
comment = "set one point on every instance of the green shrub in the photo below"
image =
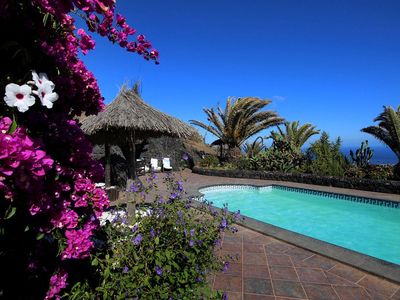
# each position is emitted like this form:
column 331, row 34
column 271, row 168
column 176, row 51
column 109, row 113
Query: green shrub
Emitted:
column 281, row 156
column 382, row 172
column 243, row 163
column 355, row 172
column 396, row 171
column 166, row 253
column 324, row 157
column 209, row 161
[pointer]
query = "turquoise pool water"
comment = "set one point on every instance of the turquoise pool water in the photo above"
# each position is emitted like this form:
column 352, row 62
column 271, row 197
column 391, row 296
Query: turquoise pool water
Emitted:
column 367, row 228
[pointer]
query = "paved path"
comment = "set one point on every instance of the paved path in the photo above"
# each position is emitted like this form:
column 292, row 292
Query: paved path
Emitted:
column 267, row 268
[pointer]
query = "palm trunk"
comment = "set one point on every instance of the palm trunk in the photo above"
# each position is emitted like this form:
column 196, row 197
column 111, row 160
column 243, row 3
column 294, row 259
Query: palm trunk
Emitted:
column 233, row 153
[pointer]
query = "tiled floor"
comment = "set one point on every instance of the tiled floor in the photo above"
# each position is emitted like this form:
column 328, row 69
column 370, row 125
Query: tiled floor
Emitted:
column 263, row 268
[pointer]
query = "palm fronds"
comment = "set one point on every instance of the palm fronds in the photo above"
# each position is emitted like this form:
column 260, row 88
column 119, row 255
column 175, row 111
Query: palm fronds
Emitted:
column 241, row 119
column 295, row 134
column 388, row 129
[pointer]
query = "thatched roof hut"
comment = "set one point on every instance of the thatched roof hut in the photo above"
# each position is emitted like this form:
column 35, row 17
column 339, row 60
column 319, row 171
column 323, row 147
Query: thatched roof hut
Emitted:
column 127, row 119
column 128, row 112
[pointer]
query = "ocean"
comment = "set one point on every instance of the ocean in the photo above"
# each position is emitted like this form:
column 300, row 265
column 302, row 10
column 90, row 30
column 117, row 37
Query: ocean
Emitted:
column 382, row 155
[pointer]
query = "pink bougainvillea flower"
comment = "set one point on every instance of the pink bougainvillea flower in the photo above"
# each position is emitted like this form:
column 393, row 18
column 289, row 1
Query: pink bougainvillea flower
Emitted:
column 5, row 124
column 154, row 53
column 86, row 43
column 78, row 243
column 19, row 96
column 57, row 282
column 46, row 94
column 120, row 20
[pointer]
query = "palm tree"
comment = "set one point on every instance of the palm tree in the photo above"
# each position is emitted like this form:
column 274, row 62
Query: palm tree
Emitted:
column 294, row 134
column 241, row 119
column 388, row 129
column 254, row 148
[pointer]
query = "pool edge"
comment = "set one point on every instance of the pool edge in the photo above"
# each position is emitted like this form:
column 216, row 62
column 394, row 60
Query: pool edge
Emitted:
column 375, row 266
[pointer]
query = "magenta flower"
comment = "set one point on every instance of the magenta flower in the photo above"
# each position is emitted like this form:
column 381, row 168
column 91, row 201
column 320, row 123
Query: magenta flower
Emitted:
column 84, row 185
column 57, row 282
column 68, row 219
column 120, row 20
column 34, row 209
column 154, row 53
column 5, row 124
column 141, row 38
column 86, row 43
column 78, row 243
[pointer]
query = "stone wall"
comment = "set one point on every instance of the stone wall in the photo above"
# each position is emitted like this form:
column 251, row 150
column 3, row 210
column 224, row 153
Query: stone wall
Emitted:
column 383, row 186
column 159, row 148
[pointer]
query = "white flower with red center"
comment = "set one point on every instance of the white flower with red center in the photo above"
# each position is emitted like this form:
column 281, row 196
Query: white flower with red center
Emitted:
column 46, row 94
column 45, row 89
column 19, row 96
column 41, row 79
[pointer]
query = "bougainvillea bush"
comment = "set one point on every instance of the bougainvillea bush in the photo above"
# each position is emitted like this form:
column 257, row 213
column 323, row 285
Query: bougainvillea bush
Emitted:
column 165, row 251
column 49, row 204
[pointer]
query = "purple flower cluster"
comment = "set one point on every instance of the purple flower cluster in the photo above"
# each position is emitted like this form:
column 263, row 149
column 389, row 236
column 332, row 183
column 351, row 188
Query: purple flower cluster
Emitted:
column 57, row 282
column 137, row 240
column 78, row 243
column 22, row 163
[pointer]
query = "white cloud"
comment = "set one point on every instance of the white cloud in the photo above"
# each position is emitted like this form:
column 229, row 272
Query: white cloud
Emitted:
column 278, row 98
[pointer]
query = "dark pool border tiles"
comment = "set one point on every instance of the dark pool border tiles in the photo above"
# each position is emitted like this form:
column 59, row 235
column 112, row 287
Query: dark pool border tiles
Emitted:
column 360, row 199
column 379, row 202
column 358, row 260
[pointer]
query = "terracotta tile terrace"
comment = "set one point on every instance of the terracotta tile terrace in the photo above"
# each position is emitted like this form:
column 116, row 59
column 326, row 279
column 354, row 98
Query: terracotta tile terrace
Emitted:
column 265, row 268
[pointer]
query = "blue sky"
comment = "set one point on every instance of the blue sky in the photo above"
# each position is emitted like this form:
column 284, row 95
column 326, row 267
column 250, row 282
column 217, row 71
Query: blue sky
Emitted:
column 331, row 63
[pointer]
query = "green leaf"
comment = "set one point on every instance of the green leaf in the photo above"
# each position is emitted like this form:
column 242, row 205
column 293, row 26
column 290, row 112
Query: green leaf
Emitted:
column 95, row 262
column 157, row 240
column 45, row 18
column 40, row 236
column 13, row 126
column 10, row 212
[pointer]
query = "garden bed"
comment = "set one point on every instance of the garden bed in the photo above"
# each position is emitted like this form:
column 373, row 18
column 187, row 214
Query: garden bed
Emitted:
column 373, row 185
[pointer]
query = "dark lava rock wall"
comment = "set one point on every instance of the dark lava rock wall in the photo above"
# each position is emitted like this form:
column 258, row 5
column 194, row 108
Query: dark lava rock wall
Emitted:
column 383, row 186
column 159, row 148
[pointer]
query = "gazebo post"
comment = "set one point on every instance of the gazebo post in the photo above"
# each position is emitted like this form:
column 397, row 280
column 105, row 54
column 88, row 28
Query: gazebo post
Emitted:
column 108, row 165
column 131, row 158
column 133, row 145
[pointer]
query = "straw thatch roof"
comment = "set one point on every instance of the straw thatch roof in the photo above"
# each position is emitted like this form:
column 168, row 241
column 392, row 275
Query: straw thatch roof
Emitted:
column 129, row 113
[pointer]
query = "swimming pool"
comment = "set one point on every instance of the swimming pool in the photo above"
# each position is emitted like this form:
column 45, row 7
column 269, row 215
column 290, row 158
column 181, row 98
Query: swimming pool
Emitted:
column 368, row 226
